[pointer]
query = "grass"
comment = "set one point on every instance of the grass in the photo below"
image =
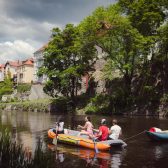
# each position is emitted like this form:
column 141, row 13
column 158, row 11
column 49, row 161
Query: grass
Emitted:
column 40, row 105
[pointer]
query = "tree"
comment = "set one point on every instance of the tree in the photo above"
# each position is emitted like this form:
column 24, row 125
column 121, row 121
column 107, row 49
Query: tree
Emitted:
column 67, row 57
column 145, row 15
column 123, row 44
column 6, row 87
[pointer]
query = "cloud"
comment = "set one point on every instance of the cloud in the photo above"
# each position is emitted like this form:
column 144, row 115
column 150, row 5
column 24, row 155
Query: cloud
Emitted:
column 12, row 29
column 16, row 50
column 28, row 23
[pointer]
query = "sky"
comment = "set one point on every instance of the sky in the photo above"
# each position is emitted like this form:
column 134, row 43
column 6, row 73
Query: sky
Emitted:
column 25, row 25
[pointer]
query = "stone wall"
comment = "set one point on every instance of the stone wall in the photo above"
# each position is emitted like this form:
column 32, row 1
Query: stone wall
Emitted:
column 37, row 92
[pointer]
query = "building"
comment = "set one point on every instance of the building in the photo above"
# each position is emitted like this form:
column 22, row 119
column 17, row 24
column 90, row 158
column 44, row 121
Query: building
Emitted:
column 25, row 71
column 38, row 62
column 2, row 72
column 10, row 70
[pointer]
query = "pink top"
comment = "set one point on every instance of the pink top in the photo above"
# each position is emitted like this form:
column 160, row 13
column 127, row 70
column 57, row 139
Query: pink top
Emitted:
column 89, row 127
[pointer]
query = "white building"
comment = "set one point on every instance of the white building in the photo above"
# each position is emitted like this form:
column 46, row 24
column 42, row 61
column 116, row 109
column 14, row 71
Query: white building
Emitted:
column 38, row 62
column 2, row 72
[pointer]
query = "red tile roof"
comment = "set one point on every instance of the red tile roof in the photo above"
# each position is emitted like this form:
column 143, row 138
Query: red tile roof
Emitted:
column 13, row 63
column 27, row 62
column 2, row 66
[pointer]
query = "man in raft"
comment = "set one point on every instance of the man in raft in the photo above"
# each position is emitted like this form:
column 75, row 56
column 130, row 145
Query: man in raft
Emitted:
column 102, row 132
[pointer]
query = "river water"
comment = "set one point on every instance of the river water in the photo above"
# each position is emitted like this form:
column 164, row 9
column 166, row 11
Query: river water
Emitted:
column 28, row 127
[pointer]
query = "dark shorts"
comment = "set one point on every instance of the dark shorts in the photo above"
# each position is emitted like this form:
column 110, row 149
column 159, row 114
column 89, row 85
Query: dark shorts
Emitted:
column 58, row 132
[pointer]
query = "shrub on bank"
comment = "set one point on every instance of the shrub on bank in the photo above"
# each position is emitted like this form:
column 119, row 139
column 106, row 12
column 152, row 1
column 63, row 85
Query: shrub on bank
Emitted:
column 98, row 104
column 22, row 88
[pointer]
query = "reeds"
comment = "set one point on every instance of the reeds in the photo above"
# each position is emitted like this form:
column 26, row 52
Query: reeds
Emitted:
column 12, row 155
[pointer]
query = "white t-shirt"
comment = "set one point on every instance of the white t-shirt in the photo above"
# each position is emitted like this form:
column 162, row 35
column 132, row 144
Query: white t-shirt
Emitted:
column 115, row 132
column 60, row 127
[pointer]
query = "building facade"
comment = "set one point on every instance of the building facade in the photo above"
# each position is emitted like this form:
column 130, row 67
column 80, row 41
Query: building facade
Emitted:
column 25, row 71
column 10, row 70
column 38, row 62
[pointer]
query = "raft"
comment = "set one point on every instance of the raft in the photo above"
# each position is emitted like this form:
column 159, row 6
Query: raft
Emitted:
column 157, row 134
column 70, row 137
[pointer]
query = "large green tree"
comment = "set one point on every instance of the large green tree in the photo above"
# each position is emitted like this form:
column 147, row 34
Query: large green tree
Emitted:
column 123, row 44
column 67, row 57
column 145, row 15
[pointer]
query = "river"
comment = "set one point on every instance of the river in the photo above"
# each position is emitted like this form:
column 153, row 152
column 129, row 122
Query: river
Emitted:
column 28, row 127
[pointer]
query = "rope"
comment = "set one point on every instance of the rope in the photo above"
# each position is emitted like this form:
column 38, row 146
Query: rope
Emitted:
column 134, row 136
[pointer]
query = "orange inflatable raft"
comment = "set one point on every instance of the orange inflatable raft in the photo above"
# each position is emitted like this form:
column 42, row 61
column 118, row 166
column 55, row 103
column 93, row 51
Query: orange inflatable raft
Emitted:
column 70, row 137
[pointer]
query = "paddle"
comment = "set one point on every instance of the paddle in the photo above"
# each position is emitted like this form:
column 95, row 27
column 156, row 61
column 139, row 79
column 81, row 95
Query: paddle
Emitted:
column 55, row 139
column 57, row 124
column 95, row 147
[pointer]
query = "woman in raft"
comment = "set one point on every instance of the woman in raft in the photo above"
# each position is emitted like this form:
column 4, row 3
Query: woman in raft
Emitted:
column 87, row 129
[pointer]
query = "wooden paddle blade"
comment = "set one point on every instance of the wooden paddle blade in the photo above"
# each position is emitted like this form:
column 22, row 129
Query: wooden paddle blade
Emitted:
column 95, row 146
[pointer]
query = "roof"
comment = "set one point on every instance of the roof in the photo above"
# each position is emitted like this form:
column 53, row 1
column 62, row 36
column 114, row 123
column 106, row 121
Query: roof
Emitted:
column 29, row 61
column 18, row 63
column 2, row 66
column 42, row 48
column 13, row 63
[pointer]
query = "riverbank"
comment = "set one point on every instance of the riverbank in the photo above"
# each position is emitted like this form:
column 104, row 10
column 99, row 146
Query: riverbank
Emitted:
column 58, row 105
column 40, row 105
column 98, row 105
column 34, row 105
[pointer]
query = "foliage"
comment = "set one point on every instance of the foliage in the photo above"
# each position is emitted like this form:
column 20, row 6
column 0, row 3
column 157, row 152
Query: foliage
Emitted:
column 124, row 46
column 6, row 87
column 57, row 105
column 67, row 57
column 134, row 37
column 164, row 99
column 21, row 88
column 163, row 42
column 98, row 104
column 144, row 15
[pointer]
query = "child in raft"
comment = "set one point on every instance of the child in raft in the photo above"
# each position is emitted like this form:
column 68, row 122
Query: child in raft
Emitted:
column 59, row 128
column 87, row 129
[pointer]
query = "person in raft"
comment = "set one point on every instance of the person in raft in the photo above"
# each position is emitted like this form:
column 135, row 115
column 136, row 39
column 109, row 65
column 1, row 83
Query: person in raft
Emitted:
column 59, row 128
column 102, row 132
column 87, row 129
column 115, row 131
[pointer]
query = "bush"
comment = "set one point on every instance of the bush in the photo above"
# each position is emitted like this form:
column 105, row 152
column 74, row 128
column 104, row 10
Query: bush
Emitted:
column 22, row 88
column 98, row 104
column 6, row 87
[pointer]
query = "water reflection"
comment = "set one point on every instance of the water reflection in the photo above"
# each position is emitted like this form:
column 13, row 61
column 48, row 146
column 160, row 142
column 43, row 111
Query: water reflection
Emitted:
column 160, row 150
column 101, row 159
column 28, row 127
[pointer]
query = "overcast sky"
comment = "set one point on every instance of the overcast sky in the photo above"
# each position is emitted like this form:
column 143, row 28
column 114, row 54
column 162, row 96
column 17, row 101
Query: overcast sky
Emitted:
column 25, row 25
